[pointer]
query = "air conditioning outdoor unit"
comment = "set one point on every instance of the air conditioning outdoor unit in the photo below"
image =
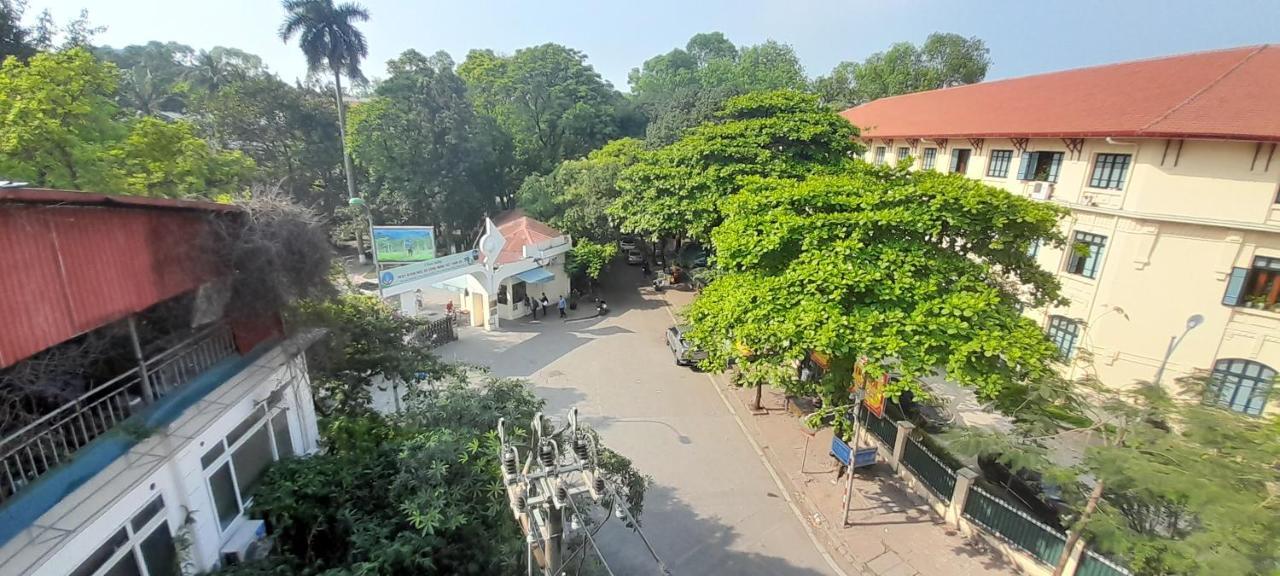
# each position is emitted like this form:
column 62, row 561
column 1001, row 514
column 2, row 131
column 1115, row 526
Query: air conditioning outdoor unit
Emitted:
column 247, row 543
column 1042, row 190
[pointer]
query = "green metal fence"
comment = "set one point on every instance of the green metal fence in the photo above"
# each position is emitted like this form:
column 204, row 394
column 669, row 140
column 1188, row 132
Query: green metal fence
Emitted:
column 937, row 476
column 1015, row 526
column 1094, row 564
column 883, row 428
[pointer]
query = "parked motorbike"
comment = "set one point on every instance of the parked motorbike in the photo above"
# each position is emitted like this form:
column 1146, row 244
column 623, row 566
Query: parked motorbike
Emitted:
column 602, row 308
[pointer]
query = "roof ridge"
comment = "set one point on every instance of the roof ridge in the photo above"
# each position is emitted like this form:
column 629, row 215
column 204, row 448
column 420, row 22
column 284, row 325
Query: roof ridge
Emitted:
column 1205, row 88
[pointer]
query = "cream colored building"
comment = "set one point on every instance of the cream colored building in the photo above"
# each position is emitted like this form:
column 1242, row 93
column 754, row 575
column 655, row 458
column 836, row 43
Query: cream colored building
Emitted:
column 1170, row 170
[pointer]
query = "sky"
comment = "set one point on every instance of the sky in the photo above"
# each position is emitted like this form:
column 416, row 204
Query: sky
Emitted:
column 1024, row 37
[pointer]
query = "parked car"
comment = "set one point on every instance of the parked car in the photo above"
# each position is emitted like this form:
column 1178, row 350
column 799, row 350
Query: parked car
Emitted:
column 627, row 243
column 1042, row 499
column 635, row 256
column 684, row 352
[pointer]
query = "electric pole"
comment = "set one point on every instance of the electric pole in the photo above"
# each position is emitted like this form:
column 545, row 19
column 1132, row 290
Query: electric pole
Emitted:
column 558, row 464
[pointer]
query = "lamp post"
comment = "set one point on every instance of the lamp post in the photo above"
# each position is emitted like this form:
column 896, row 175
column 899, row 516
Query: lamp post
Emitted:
column 1192, row 321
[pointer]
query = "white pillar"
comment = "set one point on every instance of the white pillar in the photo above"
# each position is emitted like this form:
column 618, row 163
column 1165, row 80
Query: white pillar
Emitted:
column 409, row 304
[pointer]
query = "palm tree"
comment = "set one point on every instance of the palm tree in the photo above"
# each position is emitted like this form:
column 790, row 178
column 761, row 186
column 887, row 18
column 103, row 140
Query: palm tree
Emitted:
column 330, row 41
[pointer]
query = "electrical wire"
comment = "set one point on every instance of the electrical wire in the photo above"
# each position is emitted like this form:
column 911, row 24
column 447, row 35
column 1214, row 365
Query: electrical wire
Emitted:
column 591, row 539
column 583, row 546
column 636, row 526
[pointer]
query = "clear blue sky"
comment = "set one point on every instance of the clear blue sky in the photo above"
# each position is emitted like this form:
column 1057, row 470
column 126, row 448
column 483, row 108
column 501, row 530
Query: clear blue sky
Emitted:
column 1024, row 37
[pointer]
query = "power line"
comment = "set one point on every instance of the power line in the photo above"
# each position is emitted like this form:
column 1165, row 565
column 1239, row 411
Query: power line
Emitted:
column 591, row 539
column 613, row 493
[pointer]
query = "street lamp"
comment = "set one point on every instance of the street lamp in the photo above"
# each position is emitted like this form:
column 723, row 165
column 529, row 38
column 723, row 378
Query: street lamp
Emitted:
column 1192, row 321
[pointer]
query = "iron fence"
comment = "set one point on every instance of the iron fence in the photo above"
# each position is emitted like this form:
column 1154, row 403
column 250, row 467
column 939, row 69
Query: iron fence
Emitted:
column 883, row 428
column 437, row 332
column 41, row 446
column 1014, row 525
column 937, row 476
column 1094, row 564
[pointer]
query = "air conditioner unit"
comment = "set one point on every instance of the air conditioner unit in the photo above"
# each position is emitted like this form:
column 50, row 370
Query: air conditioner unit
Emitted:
column 1042, row 190
column 247, row 543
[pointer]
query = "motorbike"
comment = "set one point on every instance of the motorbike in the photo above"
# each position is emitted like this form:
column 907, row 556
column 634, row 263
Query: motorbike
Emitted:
column 601, row 308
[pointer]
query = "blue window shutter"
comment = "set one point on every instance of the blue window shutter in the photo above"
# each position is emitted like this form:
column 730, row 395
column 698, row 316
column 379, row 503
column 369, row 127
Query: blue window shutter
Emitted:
column 1027, row 169
column 1053, row 167
column 1235, row 287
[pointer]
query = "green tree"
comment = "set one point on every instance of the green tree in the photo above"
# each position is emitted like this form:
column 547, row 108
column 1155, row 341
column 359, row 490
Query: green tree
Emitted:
column 943, row 60
column 15, row 39
column 365, row 341
column 56, row 121
column 589, row 259
column 574, row 197
column 432, row 158
column 331, row 42
column 165, row 159
column 678, row 190
column 918, row 272
column 1167, row 485
column 554, row 105
column 151, row 75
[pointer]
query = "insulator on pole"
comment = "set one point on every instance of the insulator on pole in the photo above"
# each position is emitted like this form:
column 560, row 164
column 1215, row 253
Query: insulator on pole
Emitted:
column 581, row 449
column 547, row 454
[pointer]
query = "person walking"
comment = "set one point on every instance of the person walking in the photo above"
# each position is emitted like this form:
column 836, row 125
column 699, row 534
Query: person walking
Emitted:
column 535, row 307
column 562, row 305
column 546, row 304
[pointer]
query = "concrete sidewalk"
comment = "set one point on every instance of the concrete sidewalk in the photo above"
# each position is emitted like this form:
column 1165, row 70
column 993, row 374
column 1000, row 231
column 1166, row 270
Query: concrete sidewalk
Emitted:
column 892, row 532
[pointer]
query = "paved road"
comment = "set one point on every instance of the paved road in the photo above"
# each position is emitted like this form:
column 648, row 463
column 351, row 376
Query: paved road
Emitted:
column 713, row 508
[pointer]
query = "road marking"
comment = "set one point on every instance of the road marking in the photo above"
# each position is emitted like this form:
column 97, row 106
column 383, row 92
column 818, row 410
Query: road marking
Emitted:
column 777, row 480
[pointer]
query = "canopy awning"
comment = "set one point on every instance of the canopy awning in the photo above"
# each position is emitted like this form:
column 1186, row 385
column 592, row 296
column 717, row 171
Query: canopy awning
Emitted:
column 458, row 284
column 537, row 275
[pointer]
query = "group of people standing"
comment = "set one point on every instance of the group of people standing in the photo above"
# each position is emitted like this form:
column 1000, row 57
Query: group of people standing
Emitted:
column 544, row 305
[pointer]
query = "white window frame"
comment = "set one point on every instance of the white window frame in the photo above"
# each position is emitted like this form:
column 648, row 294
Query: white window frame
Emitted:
column 133, row 542
column 228, row 450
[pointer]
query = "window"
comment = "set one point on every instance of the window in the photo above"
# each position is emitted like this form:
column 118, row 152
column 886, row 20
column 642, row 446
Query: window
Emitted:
column 998, row 166
column 903, row 153
column 879, row 155
column 930, row 156
column 1086, row 254
column 143, row 547
column 233, row 468
column 519, row 291
column 1240, row 385
column 1109, row 171
column 1034, row 250
column 1257, row 287
column 1063, row 332
column 960, row 160
column 1040, row 166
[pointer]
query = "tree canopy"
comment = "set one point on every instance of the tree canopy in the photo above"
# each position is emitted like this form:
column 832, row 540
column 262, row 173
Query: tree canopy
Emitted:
column 554, row 105
column 678, row 189
column 943, row 60
column 574, row 197
column 914, row 271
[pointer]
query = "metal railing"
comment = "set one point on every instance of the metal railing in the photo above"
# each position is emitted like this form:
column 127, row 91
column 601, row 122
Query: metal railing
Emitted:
column 1014, row 525
column 436, row 333
column 883, row 428
column 41, row 446
column 1094, row 564
column 936, row 475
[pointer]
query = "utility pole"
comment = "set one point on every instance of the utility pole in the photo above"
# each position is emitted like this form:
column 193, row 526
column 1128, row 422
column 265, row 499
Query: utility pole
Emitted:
column 558, row 465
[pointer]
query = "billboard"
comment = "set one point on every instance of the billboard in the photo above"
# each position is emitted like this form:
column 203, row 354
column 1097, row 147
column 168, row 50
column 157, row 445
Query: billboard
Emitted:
column 403, row 244
column 428, row 270
column 874, row 387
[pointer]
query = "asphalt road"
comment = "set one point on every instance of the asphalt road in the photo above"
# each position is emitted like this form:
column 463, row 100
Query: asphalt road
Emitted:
column 714, row 508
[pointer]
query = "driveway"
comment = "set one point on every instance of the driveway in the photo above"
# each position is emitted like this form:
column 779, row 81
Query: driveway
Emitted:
column 714, row 507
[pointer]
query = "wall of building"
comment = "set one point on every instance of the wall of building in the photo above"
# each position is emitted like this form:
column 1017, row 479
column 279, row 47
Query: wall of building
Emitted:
column 1174, row 233
column 168, row 464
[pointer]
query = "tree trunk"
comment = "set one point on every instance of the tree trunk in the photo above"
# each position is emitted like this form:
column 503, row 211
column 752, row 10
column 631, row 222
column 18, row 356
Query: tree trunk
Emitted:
column 759, row 392
column 346, row 159
column 1074, row 535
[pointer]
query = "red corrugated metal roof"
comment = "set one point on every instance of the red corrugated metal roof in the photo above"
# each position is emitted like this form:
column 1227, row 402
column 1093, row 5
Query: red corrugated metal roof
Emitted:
column 1227, row 94
column 69, row 267
column 520, row 231
column 52, row 196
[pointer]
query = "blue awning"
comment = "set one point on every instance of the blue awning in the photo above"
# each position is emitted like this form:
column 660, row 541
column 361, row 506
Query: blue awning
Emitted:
column 538, row 275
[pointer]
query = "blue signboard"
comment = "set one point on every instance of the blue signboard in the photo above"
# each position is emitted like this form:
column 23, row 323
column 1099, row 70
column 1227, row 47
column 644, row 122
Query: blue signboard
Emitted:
column 841, row 451
column 864, row 457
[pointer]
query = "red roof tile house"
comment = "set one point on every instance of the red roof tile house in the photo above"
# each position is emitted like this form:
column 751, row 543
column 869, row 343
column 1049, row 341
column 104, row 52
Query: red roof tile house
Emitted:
column 1170, row 170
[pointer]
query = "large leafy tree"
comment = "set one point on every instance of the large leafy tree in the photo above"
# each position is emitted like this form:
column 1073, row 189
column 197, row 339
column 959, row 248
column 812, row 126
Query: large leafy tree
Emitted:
column 331, row 43
column 685, row 87
column 575, row 196
column 916, row 272
column 433, row 159
column 943, row 60
column 15, row 39
column 678, row 190
column 554, row 105
column 169, row 160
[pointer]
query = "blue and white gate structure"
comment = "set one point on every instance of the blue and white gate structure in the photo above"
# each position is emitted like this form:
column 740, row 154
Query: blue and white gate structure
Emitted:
column 477, row 269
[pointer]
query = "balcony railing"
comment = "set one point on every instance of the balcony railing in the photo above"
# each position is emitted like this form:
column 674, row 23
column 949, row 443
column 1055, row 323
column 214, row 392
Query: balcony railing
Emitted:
column 41, row 446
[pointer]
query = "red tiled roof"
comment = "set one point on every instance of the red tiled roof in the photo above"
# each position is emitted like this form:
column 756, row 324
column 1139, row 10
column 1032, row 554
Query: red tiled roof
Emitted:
column 520, row 231
column 1227, row 94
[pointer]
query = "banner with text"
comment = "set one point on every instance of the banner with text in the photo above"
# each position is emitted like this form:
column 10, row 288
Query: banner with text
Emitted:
column 422, row 270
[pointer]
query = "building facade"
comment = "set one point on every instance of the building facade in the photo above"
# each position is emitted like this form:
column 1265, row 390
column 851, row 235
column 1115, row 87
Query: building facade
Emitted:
column 1169, row 170
column 144, row 462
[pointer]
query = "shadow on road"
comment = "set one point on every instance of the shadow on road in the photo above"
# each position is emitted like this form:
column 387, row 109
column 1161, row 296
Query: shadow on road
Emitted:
column 688, row 543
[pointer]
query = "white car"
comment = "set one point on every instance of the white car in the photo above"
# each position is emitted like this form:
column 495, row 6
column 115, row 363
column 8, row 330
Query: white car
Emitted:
column 627, row 243
column 635, row 256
